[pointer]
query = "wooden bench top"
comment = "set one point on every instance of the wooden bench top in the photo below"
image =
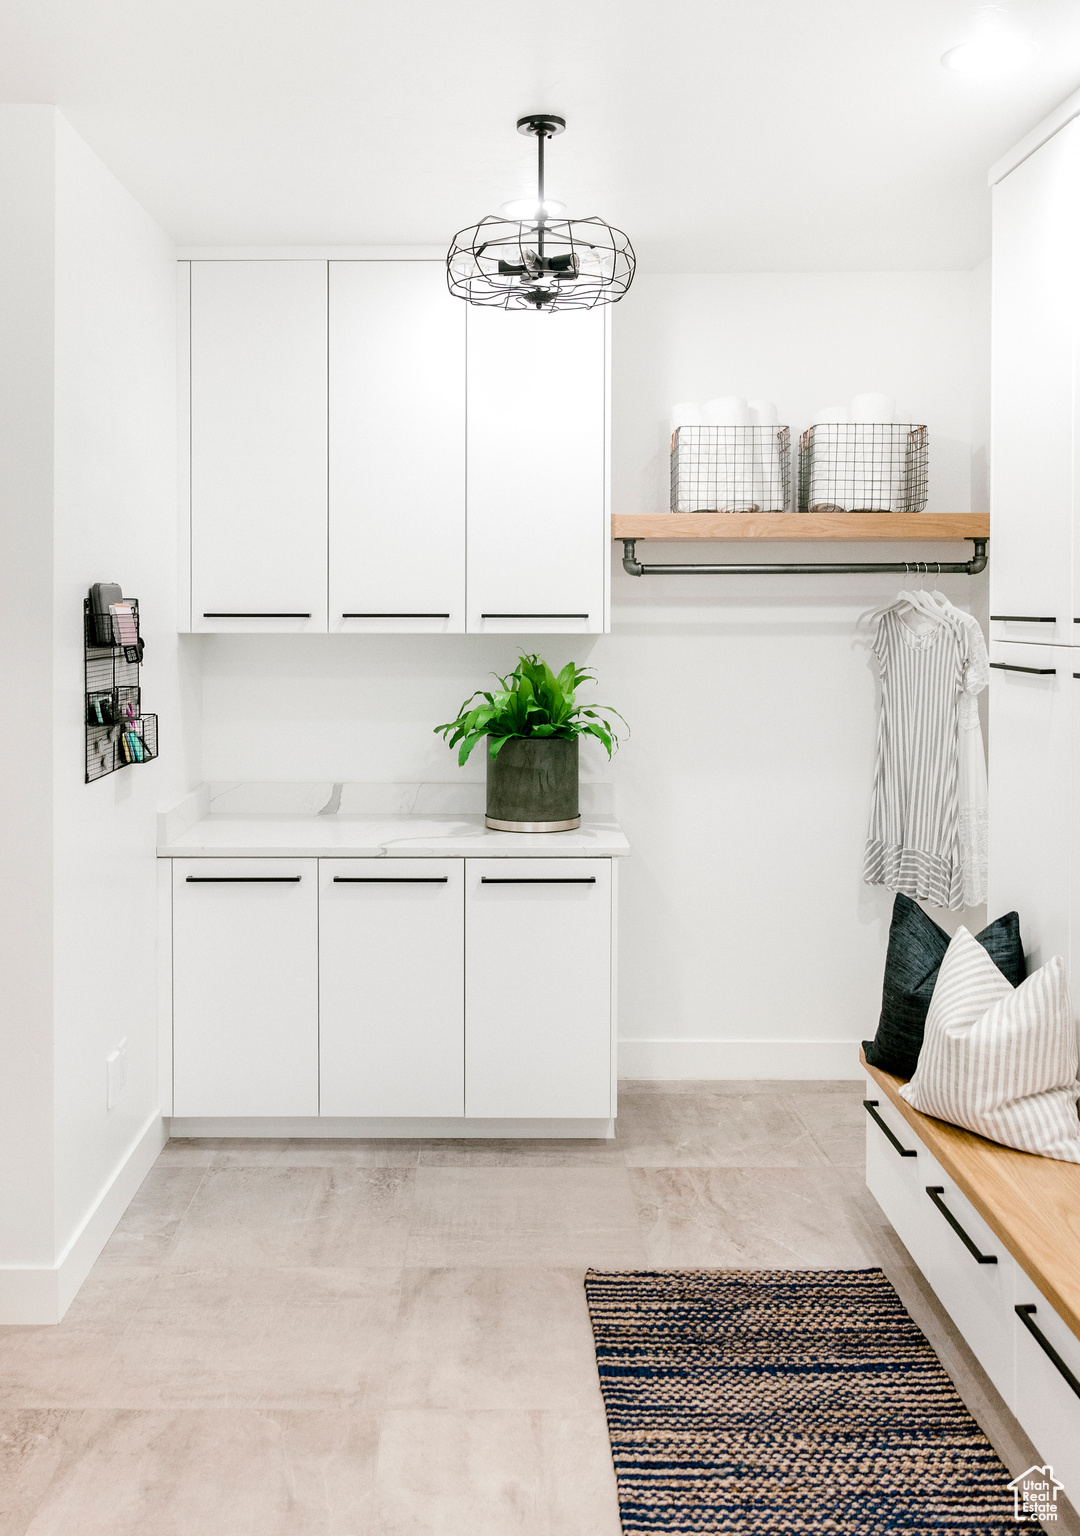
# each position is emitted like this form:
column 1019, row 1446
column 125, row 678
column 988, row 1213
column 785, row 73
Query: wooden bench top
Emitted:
column 1031, row 1203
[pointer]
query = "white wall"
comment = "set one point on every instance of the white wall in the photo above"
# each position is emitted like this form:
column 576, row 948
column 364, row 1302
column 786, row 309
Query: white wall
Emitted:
column 748, row 945
column 115, row 520
column 26, row 468
column 80, row 872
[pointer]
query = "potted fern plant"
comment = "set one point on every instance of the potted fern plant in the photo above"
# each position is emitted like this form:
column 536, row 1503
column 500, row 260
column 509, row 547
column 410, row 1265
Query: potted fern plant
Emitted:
column 532, row 724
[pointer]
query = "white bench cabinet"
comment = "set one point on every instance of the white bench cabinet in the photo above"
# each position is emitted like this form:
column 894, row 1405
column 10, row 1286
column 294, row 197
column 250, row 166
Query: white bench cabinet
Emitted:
column 392, row 987
column 245, row 987
column 1046, row 1405
column 538, row 989
column 258, row 446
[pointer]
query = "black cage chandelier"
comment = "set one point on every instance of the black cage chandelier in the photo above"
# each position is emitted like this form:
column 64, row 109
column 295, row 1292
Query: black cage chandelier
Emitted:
column 539, row 261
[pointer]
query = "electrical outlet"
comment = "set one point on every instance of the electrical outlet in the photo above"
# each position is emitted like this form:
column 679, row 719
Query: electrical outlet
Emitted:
column 116, row 1074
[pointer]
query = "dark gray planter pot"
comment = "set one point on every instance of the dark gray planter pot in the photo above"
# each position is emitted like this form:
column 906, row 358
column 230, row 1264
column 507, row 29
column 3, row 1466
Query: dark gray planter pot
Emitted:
column 532, row 786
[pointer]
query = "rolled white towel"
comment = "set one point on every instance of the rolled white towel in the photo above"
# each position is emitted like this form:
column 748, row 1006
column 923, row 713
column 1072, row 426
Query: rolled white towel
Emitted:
column 726, row 411
column 871, row 408
column 831, row 415
column 686, row 414
column 763, row 413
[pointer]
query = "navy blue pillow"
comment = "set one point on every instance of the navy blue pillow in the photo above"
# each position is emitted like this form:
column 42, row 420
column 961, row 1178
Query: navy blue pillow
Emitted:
column 916, row 949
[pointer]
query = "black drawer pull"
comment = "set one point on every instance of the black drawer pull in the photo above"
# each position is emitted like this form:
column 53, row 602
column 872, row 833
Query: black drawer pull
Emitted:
column 256, row 615
column 1021, row 618
column 1007, row 666
column 534, row 615
column 537, row 879
column 395, row 615
column 935, row 1191
column 391, row 879
column 870, row 1105
column 243, row 879
column 1025, row 1314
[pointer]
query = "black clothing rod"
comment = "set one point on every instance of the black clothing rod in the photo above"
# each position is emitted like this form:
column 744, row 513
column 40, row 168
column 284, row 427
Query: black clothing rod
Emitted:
column 634, row 567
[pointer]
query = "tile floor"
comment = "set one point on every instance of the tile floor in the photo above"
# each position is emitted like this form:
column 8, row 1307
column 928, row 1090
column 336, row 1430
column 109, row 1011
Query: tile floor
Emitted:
column 391, row 1339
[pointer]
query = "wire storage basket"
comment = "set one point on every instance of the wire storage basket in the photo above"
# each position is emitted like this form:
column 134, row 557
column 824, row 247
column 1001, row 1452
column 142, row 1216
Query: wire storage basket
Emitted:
column 730, row 469
column 863, row 467
column 117, row 731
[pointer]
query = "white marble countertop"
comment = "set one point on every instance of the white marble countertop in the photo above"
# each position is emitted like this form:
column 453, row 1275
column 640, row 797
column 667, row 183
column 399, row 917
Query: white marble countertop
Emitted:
column 369, row 821
column 363, row 837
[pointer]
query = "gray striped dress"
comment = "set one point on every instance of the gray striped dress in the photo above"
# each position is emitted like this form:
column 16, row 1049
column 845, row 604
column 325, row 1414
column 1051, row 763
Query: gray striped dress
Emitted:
column 914, row 841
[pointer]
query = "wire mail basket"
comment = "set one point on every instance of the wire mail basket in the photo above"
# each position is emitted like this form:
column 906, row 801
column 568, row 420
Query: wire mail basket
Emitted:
column 857, row 467
column 730, row 469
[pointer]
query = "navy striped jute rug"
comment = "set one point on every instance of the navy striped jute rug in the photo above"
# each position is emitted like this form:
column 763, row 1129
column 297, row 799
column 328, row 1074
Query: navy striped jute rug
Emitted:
column 785, row 1400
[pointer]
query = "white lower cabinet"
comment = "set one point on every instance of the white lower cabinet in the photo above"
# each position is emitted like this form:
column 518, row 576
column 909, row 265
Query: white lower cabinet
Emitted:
column 980, row 1285
column 392, row 987
column 538, row 988
column 245, row 987
column 1047, row 1405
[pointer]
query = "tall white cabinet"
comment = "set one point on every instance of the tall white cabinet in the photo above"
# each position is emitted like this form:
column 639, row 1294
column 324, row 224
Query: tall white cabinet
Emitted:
column 1034, row 853
column 1034, row 581
column 258, row 445
column 368, row 454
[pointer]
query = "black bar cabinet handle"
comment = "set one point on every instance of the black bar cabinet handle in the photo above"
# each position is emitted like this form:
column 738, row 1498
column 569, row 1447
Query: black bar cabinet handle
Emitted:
column 870, row 1105
column 1007, row 666
column 256, row 615
column 935, row 1191
column 243, row 879
column 537, row 879
column 1022, row 618
column 534, row 615
column 395, row 615
column 1025, row 1314
column 391, row 879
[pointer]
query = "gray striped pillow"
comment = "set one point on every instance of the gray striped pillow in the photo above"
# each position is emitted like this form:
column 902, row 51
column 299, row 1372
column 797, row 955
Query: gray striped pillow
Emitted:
column 1000, row 1060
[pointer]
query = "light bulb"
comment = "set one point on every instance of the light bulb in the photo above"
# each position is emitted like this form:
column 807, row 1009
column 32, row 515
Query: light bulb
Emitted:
column 993, row 53
column 529, row 208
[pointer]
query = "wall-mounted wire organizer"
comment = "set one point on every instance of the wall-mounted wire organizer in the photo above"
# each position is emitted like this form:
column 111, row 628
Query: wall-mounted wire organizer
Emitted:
column 730, row 469
column 859, row 467
column 117, row 731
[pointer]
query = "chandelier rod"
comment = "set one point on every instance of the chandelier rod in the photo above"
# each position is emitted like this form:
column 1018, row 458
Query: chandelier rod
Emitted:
column 540, row 137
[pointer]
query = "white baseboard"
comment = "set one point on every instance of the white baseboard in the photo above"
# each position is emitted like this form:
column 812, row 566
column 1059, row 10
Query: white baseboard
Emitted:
column 334, row 1127
column 704, row 1060
column 43, row 1294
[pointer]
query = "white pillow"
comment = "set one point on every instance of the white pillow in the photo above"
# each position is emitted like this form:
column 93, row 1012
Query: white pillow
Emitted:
column 1000, row 1060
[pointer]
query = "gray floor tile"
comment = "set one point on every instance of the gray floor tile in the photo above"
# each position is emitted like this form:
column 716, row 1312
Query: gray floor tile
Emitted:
column 493, row 1338
column 341, row 1218
column 148, row 1227
column 33, row 1442
column 240, row 1473
column 768, row 1218
column 267, row 1338
column 707, row 1130
column 555, row 1152
column 494, row 1473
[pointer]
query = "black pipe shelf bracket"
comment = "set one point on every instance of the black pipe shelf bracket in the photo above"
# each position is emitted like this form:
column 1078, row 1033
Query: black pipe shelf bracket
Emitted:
column 635, row 567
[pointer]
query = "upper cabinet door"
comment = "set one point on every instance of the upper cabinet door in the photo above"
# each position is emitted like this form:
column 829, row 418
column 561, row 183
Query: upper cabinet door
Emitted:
column 397, row 448
column 538, row 526
column 258, row 445
column 1035, row 262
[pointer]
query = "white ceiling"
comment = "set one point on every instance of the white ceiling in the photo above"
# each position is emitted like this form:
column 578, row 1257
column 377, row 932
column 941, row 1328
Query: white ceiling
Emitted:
column 720, row 134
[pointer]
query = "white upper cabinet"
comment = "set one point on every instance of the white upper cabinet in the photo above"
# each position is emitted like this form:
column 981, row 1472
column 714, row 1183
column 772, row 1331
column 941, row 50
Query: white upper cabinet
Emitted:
column 1035, row 593
column 538, row 528
column 258, row 445
column 397, row 448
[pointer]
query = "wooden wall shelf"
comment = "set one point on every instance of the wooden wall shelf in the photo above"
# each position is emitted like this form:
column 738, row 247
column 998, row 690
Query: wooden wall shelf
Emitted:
column 802, row 527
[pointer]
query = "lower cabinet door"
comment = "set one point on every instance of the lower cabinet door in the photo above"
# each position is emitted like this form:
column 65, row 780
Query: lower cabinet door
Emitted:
column 1046, row 1402
column 245, row 987
column 392, row 987
column 953, row 1246
column 538, row 990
